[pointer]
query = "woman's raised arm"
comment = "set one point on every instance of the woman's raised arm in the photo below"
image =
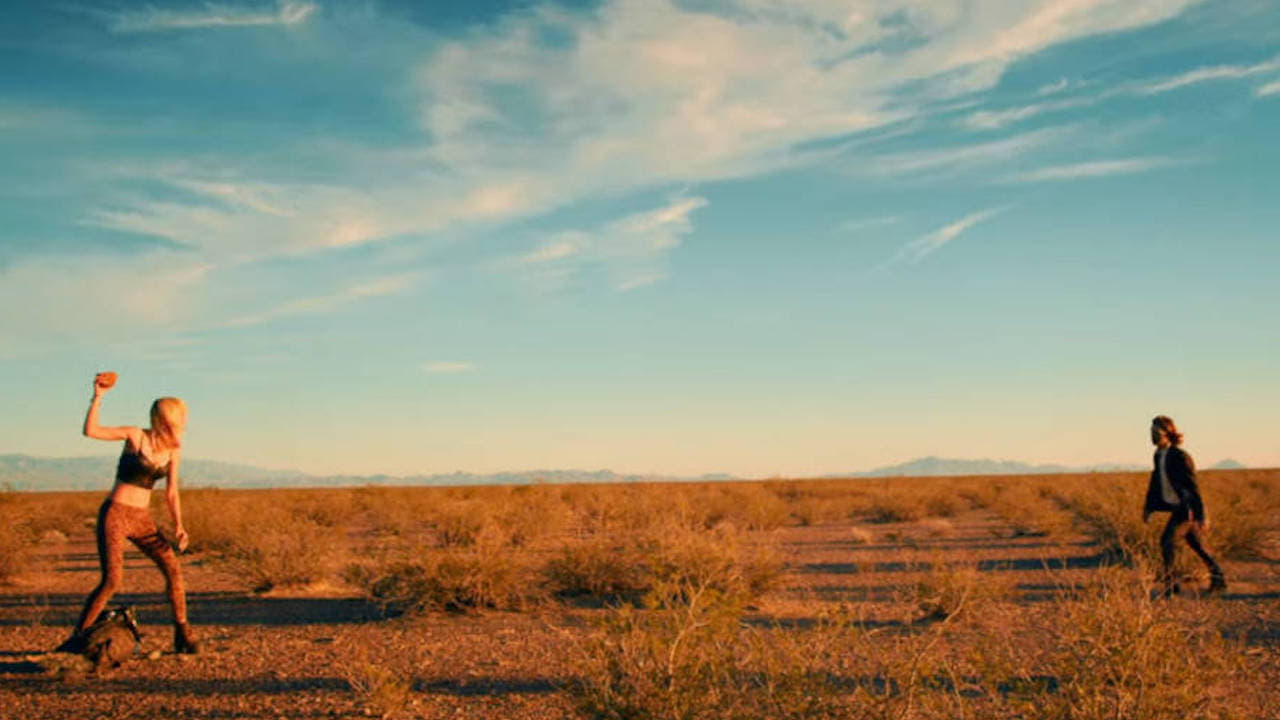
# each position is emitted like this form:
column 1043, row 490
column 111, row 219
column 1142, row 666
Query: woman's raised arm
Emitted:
column 97, row 432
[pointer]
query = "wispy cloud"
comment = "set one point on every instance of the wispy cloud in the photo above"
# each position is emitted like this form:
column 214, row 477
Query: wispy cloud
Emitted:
column 630, row 249
column 999, row 118
column 1097, row 168
column 641, row 95
column 1268, row 89
column 448, row 367
column 858, row 224
column 1204, row 74
column 1054, row 87
column 563, row 245
column 212, row 15
column 378, row 287
column 920, row 248
column 961, row 156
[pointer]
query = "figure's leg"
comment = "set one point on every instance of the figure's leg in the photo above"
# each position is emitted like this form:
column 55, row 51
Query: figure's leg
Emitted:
column 1216, row 579
column 111, row 533
column 151, row 542
column 1168, row 538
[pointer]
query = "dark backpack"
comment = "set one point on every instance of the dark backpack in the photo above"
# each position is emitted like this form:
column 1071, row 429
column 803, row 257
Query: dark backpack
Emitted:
column 112, row 638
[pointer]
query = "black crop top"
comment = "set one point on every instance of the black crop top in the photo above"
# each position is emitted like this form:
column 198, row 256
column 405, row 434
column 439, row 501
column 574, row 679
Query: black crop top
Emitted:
column 134, row 470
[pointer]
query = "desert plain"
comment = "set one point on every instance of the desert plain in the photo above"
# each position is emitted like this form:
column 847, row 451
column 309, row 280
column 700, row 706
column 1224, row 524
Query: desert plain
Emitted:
column 959, row 597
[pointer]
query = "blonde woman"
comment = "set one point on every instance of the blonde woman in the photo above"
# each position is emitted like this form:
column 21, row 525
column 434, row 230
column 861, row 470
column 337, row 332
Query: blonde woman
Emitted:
column 149, row 454
column 1173, row 489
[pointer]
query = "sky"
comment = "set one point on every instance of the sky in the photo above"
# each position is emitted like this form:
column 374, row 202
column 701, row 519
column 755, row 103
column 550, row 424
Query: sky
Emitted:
column 740, row 236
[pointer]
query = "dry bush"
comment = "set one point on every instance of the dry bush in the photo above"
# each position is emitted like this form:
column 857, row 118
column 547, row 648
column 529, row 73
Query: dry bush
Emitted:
column 696, row 659
column 1117, row 653
column 1029, row 507
column 750, row 506
column 531, row 513
column 675, row 663
column 457, row 580
column 943, row 503
column 599, row 567
column 383, row 692
column 382, row 676
column 1242, row 513
column 949, row 588
column 16, row 537
column 459, row 523
column 1111, row 513
column 261, row 538
column 816, row 511
column 66, row 513
column 723, row 558
column 895, row 507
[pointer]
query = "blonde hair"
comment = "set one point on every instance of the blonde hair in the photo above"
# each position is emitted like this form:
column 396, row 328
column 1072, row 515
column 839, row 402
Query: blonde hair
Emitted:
column 1166, row 426
column 168, row 420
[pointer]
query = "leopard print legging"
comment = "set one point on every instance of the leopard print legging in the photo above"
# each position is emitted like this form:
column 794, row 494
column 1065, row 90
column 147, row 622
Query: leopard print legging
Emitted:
column 116, row 523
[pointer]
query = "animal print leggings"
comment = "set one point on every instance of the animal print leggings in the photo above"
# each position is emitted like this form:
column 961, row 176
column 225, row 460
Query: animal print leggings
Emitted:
column 116, row 523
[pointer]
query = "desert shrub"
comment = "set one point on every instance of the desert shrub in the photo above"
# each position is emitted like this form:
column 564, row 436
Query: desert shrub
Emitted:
column 895, row 507
column 263, row 541
column 816, row 511
column 382, row 676
column 723, row 558
column 459, row 523
column 1242, row 516
column 16, row 543
column 328, row 508
column 66, row 513
column 948, row 588
column 943, row 504
column 598, row 567
column 1029, row 509
column 673, row 663
column 697, row 659
column 1116, row 653
column 757, row 508
column 456, row 580
column 1111, row 515
column 529, row 513
column 297, row 552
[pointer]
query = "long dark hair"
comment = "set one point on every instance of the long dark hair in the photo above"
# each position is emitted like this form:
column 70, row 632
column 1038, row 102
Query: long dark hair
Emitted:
column 1165, row 423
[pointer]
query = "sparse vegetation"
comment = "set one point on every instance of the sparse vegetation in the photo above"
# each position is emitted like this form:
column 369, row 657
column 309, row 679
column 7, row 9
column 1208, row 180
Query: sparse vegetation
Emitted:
column 678, row 603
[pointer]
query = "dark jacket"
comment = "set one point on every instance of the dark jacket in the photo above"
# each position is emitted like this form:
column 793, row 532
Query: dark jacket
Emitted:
column 1181, row 470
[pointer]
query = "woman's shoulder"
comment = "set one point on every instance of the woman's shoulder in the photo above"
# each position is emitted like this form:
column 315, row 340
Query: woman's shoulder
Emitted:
column 132, row 437
column 1182, row 456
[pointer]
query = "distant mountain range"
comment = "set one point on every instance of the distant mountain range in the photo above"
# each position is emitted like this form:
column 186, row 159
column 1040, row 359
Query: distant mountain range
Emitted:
column 932, row 466
column 24, row 472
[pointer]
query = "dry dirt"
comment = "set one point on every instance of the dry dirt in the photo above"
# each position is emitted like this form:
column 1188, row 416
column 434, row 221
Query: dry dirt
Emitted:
column 286, row 655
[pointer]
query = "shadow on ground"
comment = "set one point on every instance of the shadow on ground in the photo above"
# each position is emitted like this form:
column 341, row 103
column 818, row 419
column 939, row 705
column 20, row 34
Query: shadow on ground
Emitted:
column 210, row 608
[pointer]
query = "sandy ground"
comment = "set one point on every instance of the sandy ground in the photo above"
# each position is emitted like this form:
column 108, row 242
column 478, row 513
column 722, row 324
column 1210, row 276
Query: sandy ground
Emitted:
column 287, row 655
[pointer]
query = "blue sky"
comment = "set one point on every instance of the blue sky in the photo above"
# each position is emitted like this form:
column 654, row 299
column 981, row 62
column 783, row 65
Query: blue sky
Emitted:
column 676, row 237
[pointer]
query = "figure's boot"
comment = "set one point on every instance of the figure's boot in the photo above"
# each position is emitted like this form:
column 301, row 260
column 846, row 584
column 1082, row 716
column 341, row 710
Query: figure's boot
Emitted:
column 76, row 644
column 183, row 644
column 1217, row 583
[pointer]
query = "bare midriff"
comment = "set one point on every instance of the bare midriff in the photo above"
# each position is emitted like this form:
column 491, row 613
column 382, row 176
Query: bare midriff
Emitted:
column 131, row 495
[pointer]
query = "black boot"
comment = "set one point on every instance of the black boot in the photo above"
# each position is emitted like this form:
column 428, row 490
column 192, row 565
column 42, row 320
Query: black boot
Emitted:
column 182, row 642
column 75, row 644
column 1217, row 583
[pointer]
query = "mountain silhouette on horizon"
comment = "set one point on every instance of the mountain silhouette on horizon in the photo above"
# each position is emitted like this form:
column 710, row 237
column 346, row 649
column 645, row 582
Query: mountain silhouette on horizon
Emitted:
column 26, row 472
column 934, row 466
